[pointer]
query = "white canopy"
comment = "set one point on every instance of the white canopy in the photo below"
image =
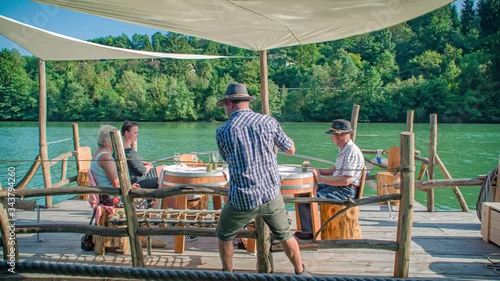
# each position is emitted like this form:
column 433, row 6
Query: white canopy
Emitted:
column 258, row 25
column 56, row 47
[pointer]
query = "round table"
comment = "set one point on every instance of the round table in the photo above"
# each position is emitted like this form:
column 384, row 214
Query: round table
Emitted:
column 180, row 176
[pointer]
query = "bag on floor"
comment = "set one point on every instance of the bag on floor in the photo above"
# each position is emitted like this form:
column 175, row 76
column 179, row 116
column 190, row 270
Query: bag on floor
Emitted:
column 87, row 243
column 87, row 239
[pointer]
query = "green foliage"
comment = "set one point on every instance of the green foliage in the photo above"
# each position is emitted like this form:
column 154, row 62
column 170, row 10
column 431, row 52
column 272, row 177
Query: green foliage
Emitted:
column 17, row 95
column 446, row 62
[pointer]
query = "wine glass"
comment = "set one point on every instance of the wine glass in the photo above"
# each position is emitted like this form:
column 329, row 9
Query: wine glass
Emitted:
column 215, row 156
column 177, row 159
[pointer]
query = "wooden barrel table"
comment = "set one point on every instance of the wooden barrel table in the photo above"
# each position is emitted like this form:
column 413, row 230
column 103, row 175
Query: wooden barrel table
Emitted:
column 172, row 177
column 295, row 182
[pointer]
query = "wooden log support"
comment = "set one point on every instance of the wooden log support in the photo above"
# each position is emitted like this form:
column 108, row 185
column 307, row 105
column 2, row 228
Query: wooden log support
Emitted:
column 264, row 87
column 42, row 113
column 354, row 121
column 9, row 240
column 426, row 185
column 64, row 168
column 432, row 159
column 264, row 256
column 61, row 157
column 456, row 190
column 342, row 243
column 29, row 175
column 122, row 232
column 76, row 139
column 128, row 201
column 409, row 120
column 421, row 174
column 405, row 215
column 27, row 205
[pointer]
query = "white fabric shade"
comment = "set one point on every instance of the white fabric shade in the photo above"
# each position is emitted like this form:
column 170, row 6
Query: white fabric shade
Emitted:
column 48, row 45
column 258, row 25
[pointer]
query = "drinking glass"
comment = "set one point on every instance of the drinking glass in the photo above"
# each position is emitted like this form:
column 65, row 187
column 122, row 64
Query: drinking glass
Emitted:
column 215, row 156
column 177, row 159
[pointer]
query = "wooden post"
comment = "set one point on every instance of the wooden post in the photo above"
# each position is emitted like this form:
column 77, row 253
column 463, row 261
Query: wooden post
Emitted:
column 6, row 231
column 354, row 121
column 264, row 255
column 423, row 169
column 455, row 189
column 405, row 216
column 264, row 90
column 128, row 201
column 409, row 121
column 76, row 143
column 432, row 159
column 64, row 168
column 42, row 113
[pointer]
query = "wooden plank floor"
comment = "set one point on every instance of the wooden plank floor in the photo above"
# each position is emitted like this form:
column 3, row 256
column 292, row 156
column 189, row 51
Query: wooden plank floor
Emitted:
column 445, row 245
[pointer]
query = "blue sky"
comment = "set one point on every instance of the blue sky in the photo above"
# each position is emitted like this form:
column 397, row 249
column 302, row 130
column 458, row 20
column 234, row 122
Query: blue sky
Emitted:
column 69, row 23
column 78, row 25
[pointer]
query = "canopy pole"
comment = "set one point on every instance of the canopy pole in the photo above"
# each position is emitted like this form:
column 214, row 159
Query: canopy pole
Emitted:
column 432, row 159
column 409, row 120
column 42, row 116
column 264, row 89
column 354, row 121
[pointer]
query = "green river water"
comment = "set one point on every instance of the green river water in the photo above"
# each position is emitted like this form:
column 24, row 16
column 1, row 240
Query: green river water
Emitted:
column 467, row 150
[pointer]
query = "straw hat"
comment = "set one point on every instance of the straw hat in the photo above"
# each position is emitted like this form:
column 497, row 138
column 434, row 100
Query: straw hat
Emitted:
column 235, row 92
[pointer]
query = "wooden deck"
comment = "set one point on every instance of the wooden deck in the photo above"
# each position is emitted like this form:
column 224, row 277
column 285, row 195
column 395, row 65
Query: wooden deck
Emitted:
column 445, row 245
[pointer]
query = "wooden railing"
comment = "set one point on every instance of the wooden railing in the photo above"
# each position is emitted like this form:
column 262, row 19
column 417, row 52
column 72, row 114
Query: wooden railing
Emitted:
column 401, row 246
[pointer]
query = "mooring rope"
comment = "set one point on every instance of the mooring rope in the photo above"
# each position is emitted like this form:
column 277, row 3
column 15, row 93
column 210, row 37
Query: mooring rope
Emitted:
column 484, row 192
column 160, row 274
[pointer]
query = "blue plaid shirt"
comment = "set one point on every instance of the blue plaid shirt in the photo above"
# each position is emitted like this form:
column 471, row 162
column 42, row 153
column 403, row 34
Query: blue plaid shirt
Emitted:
column 246, row 142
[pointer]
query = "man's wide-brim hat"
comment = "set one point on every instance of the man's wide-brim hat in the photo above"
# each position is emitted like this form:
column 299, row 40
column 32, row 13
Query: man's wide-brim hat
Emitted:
column 340, row 126
column 235, row 92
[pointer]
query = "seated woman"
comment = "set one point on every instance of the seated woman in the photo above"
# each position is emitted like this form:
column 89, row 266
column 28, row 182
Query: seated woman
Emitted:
column 141, row 172
column 103, row 166
column 104, row 172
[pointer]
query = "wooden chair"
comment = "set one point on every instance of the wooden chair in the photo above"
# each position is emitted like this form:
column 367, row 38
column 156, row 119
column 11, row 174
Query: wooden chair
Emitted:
column 83, row 158
column 346, row 225
column 190, row 160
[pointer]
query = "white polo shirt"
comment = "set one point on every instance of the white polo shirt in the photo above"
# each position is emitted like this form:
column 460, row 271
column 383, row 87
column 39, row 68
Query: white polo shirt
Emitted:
column 350, row 163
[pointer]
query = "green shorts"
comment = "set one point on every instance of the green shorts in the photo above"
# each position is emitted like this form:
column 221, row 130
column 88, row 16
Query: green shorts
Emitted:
column 231, row 220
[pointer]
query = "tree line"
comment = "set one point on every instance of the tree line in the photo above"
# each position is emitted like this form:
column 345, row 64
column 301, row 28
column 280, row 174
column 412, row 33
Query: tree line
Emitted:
column 446, row 62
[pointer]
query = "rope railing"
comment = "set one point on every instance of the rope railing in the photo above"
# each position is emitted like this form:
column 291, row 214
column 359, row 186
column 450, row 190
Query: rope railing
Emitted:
column 100, row 271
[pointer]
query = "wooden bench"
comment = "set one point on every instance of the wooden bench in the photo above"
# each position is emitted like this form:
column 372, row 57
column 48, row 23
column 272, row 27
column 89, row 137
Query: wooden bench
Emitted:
column 346, row 225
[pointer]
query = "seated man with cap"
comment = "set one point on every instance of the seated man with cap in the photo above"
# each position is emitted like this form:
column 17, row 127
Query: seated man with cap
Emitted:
column 343, row 178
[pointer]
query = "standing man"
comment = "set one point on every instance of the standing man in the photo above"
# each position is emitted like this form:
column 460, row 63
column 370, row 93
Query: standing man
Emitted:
column 246, row 142
column 346, row 174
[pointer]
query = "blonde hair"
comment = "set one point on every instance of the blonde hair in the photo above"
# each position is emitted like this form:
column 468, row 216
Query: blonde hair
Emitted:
column 104, row 136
